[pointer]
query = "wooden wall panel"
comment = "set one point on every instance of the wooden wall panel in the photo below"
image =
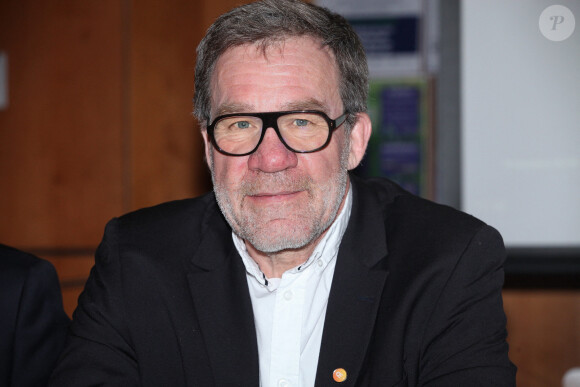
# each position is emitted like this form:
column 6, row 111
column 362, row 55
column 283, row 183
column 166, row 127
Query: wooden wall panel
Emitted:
column 73, row 269
column 544, row 334
column 165, row 144
column 60, row 143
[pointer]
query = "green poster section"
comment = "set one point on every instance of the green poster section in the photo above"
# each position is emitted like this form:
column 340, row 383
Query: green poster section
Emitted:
column 399, row 147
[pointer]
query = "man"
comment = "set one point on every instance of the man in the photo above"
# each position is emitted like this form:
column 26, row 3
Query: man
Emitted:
column 293, row 273
column 33, row 323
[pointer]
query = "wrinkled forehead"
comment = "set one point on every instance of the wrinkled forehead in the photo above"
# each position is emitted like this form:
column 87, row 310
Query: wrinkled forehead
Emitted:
column 268, row 65
column 276, row 46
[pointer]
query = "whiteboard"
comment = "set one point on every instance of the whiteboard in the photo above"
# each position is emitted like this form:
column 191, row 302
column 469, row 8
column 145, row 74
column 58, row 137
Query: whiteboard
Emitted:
column 520, row 121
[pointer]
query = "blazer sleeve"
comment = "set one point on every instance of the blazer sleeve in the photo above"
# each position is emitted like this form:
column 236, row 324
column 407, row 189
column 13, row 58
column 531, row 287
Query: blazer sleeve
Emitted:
column 465, row 340
column 40, row 328
column 98, row 350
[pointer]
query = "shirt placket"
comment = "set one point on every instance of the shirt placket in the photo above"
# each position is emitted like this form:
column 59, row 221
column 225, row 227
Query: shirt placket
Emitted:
column 287, row 332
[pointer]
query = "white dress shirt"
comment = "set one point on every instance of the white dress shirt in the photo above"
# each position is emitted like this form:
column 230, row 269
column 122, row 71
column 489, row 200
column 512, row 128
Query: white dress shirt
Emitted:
column 289, row 312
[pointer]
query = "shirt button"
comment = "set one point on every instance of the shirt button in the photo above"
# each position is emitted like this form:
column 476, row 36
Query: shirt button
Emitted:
column 320, row 263
column 288, row 295
column 283, row 383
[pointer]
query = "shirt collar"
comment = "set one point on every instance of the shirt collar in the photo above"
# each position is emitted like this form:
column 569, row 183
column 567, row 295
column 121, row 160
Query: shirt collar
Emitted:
column 326, row 250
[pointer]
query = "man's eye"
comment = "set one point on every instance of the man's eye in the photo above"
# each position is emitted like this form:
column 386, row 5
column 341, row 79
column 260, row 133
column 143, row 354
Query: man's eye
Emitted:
column 242, row 125
column 301, row 122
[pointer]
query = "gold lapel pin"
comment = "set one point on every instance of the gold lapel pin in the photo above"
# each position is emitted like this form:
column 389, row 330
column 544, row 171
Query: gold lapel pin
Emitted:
column 339, row 375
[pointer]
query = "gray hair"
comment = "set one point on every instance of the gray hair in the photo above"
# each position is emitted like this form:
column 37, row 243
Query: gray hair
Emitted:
column 268, row 22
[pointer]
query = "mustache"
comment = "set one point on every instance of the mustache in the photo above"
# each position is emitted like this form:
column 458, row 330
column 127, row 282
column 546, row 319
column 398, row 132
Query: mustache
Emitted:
column 275, row 182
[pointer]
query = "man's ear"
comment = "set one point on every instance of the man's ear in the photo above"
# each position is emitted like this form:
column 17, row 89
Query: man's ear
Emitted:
column 359, row 139
column 206, row 146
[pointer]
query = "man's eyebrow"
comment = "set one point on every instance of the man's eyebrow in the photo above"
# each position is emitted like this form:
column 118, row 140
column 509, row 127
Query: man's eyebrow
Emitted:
column 309, row 104
column 230, row 108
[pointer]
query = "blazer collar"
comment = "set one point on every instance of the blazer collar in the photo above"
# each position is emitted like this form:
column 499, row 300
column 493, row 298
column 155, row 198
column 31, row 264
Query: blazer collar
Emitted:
column 217, row 281
column 216, row 243
column 365, row 235
column 356, row 290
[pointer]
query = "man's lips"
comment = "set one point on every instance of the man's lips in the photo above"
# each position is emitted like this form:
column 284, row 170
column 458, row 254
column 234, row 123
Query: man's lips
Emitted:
column 275, row 193
column 263, row 197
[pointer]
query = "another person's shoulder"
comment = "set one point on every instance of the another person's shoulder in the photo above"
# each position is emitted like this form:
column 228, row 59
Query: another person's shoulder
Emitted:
column 33, row 324
column 16, row 262
column 18, row 267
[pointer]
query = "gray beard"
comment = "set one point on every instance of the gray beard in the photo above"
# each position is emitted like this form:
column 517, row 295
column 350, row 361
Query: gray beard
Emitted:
column 247, row 226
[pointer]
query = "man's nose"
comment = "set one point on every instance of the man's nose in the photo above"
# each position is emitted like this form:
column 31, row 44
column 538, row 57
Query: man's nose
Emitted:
column 272, row 155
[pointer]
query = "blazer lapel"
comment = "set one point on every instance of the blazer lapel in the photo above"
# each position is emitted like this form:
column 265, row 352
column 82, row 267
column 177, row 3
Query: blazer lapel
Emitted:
column 356, row 291
column 223, row 307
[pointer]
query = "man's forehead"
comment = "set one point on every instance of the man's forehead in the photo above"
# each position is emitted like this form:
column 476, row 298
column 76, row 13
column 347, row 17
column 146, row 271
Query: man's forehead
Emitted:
column 234, row 66
column 275, row 49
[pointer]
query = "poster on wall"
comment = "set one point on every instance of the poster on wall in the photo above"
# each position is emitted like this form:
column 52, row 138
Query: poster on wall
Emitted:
column 389, row 32
column 399, row 146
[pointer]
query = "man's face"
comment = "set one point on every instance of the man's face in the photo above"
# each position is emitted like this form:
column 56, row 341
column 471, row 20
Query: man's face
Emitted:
column 276, row 199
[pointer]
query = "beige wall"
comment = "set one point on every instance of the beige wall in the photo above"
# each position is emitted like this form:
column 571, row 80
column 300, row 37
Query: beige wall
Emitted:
column 99, row 124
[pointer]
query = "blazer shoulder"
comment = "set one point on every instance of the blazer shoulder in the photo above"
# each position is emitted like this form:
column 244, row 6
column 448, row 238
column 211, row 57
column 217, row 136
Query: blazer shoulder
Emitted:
column 399, row 205
column 171, row 229
column 16, row 266
column 14, row 259
column 425, row 214
column 423, row 234
column 166, row 218
column 413, row 223
column 169, row 211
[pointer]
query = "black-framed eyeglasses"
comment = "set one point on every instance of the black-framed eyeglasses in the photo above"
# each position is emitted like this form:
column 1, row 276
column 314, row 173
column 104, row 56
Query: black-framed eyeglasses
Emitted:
column 301, row 131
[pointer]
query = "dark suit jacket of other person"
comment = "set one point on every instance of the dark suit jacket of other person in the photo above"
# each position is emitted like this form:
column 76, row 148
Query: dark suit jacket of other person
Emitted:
column 33, row 323
column 415, row 300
